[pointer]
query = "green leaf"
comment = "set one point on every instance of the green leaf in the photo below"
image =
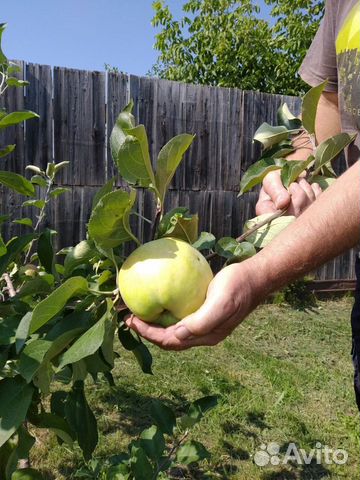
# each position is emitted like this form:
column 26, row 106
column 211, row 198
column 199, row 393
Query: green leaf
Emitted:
column 24, row 221
column 168, row 160
column 309, row 107
column 27, row 474
column 178, row 223
column 79, row 255
column 153, row 443
column 143, row 357
column 256, row 173
column 18, row 183
column 35, row 169
column 89, row 342
column 45, row 250
column 242, row 252
column 226, row 246
column 127, row 339
column 197, row 410
column 59, row 166
column 55, row 302
column 140, row 465
column 206, row 241
column 280, row 150
column 15, row 82
column 163, row 416
column 287, row 119
column 22, row 331
column 3, row 248
column 56, row 424
column 269, row 135
column 130, row 151
column 81, row 419
column 3, row 59
column 14, row 118
column 107, row 188
column 58, row 191
column 34, row 203
column 231, row 249
column 109, row 222
column 15, row 399
column 324, row 182
column 292, row 169
column 14, row 247
column 191, row 452
column 39, row 180
column 34, row 286
column 8, row 326
column 6, row 150
column 330, row 149
column 31, row 358
column 107, row 347
column 268, row 232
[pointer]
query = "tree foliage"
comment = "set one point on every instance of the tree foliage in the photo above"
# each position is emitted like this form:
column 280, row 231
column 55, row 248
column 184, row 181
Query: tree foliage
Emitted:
column 227, row 43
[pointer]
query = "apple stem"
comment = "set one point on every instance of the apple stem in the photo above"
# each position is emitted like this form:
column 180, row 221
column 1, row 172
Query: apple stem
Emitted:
column 158, row 217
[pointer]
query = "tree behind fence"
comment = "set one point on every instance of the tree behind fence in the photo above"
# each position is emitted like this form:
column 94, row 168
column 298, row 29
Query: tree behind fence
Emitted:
column 77, row 112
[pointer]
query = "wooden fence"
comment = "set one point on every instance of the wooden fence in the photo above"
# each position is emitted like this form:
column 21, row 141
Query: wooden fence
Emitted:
column 77, row 112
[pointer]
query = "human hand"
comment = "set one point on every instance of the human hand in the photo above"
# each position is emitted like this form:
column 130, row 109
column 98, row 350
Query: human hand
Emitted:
column 233, row 293
column 274, row 196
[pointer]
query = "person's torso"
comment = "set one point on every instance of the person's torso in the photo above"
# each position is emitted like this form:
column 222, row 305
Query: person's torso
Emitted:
column 347, row 35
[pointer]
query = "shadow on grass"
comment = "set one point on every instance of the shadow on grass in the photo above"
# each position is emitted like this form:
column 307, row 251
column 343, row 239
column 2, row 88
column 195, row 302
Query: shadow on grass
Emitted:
column 294, row 470
column 313, row 471
column 132, row 408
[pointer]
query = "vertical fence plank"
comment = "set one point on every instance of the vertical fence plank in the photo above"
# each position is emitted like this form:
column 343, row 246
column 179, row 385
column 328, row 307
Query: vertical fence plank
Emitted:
column 79, row 125
column 39, row 133
column 118, row 96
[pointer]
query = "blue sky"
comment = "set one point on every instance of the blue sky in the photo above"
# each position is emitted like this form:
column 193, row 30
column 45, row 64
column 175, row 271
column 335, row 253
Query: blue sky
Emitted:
column 83, row 34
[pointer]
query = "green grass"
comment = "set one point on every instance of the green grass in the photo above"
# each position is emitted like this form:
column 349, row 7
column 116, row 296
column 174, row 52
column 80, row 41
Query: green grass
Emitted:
column 283, row 376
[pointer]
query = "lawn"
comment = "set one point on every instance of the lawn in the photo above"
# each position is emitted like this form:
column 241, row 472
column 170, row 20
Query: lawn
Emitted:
column 284, row 376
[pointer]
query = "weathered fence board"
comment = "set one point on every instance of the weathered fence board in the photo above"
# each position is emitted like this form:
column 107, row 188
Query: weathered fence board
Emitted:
column 78, row 110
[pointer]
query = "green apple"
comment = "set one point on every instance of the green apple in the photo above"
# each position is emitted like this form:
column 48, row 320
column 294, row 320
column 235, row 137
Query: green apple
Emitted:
column 164, row 280
column 27, row 474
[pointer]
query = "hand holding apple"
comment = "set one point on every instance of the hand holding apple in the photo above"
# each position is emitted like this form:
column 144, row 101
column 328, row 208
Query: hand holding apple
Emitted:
column 164, row 280
column 233, row 293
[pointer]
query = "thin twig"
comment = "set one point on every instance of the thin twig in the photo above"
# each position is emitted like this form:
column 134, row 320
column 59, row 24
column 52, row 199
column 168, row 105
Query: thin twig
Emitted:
column 172, row 451
column 253, row 229
column 9, row 284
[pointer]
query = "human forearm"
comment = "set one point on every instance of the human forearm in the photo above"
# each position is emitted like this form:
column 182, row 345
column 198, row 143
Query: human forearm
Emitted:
column 330, row 226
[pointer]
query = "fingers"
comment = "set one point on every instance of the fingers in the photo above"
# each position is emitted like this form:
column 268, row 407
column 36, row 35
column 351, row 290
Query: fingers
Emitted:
column 264, row 204
column 160, row 336
column 317, row 189
column 273, row 186
column 206, row 319
column 302, row 196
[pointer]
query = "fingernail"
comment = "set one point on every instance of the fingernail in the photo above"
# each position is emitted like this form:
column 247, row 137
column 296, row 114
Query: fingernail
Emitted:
column 182, row 333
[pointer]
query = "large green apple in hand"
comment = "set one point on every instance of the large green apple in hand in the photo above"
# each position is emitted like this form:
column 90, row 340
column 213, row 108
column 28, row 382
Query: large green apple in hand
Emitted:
column 165, row 280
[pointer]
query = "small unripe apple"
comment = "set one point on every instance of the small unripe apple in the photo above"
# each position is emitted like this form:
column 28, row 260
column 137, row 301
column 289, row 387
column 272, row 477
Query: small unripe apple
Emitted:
column 165, row 280
column 29, row 270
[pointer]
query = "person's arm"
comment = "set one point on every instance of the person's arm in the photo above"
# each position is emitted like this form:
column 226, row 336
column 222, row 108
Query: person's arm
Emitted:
column 273, row 196
column 329, row 227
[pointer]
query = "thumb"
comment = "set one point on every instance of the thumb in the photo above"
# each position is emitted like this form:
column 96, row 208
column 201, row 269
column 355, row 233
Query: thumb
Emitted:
column 204, row 320
column 273, row 186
